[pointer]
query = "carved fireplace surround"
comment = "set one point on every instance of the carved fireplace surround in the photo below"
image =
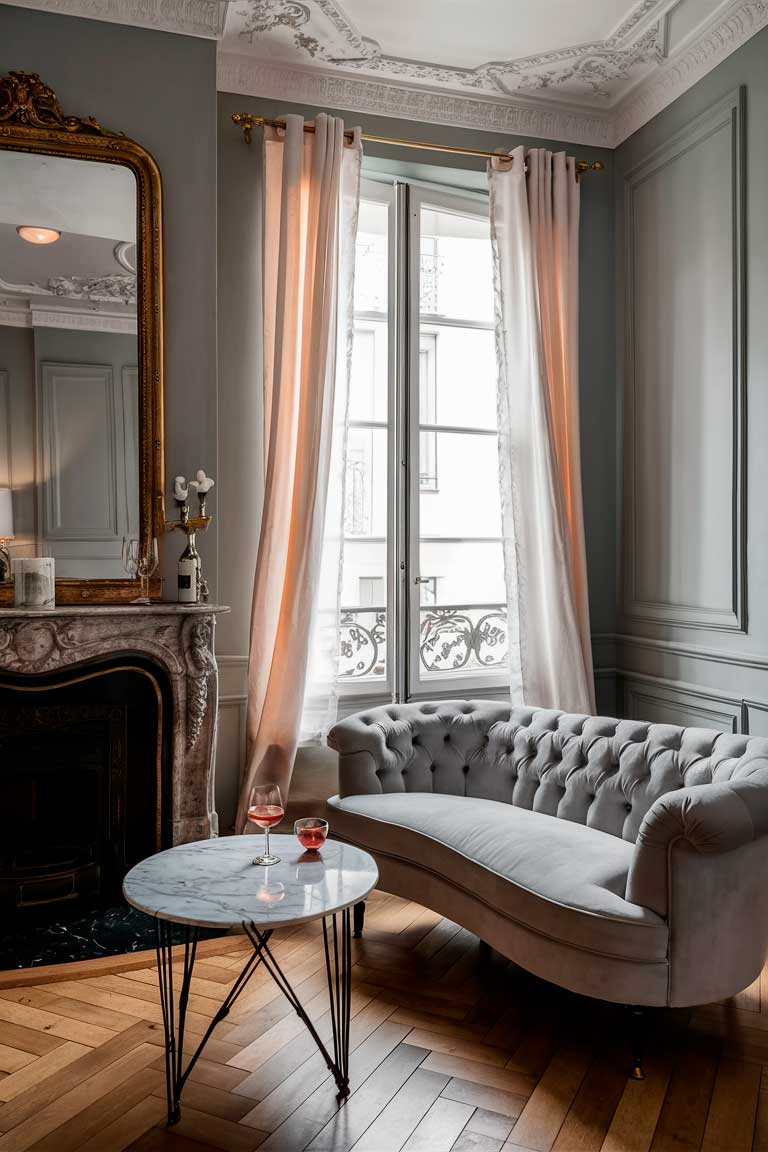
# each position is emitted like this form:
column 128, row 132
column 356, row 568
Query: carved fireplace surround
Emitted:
column 178, row 639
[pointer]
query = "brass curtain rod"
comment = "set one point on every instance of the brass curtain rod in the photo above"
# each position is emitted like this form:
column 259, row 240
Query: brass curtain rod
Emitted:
column 248, row 122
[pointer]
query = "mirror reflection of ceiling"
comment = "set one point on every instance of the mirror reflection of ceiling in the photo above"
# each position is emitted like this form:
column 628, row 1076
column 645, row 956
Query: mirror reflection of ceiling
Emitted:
column 586, row 71
column 80, row 196
column 91, row 266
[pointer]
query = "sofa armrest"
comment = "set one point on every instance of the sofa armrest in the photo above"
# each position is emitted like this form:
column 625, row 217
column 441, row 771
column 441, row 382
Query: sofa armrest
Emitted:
column 708, row 819
column 362, row 750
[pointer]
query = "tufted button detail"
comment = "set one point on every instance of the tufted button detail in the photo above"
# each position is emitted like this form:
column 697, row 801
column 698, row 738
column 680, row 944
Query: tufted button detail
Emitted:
column 414, row 740
column 447, row 738
column 627, row 807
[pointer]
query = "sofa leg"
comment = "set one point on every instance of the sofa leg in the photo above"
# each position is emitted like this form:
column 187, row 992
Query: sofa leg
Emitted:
column 638, row 1029
column 358, row 917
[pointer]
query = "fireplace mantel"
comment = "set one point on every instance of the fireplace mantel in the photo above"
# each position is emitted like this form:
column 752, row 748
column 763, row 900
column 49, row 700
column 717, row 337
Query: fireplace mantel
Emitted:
column 178, row 638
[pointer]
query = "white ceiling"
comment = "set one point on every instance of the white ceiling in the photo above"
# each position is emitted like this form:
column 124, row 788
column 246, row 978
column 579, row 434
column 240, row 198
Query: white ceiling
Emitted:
column 588, row 71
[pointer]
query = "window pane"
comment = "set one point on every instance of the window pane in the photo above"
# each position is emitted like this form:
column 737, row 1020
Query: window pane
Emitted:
column 456, row 271
column 464, row 501
column 363, row 639
column 368, row 385
column 457, row 376
column 371, row 258
column 463, row 572
column 364, row 576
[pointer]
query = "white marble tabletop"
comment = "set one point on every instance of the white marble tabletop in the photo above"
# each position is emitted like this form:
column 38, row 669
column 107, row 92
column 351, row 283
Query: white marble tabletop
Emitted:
column 215, row 884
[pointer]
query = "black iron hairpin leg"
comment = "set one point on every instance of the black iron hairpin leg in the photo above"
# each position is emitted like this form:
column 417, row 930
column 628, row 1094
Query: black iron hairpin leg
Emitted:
column 337, row 943
column 175, row 1073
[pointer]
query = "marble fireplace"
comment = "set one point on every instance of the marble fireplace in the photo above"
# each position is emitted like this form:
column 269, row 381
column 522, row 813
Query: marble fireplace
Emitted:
column 107, row 741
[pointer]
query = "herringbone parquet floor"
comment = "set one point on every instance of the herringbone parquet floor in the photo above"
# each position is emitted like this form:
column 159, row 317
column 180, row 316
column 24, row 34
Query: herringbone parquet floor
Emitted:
column 451, row 1051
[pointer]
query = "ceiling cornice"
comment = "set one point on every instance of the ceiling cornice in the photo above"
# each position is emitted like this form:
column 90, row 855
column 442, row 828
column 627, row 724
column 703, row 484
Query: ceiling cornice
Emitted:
column 728, row 31
column 544, row 118
column 203, row 18
column 549, row 121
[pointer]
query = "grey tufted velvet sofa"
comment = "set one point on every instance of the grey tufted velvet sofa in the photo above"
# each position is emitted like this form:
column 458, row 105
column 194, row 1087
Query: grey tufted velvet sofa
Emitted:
column 622, row 860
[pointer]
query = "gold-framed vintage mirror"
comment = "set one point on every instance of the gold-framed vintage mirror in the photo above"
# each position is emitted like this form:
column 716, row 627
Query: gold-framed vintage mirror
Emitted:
column 81, row 345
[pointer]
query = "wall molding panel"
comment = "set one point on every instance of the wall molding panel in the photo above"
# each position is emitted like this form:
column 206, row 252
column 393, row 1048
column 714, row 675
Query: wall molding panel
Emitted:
column 684, row 558
column 668, row 702
column 66, row 391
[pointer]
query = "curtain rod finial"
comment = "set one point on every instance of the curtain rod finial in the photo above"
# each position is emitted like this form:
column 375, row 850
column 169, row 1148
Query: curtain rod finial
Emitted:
column 589, row 166
column 247, row 122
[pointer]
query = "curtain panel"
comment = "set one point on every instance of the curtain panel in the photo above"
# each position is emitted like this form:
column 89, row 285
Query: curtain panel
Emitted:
column 311, row 198
column 535, row 237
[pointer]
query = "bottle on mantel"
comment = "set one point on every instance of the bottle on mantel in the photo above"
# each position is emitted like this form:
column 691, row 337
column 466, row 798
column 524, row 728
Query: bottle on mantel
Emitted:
column 189, row 573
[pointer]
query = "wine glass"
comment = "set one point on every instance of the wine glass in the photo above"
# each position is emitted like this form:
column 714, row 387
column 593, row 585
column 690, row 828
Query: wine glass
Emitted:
column 146, row 566
column 131, row 557
column 265, row 810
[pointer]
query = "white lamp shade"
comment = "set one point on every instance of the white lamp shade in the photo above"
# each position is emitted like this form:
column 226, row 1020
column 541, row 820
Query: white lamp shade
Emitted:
column 6, row 513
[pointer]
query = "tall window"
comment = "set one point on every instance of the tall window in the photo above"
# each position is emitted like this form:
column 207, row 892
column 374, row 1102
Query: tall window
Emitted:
column 423, row 593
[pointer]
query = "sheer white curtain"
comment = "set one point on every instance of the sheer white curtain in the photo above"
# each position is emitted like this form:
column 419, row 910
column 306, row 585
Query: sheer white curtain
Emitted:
column 535, row 235
column 311, row 197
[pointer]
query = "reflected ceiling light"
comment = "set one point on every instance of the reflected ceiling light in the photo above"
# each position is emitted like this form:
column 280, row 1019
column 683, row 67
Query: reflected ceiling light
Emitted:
column 36, row 235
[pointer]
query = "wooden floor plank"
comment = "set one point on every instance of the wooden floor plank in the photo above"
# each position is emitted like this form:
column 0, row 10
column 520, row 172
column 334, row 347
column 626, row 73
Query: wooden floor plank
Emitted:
column 731, row 1120
column 684, row 1114
column 546, row 1109
column 108, row 1109
column 355, row 1118
column 29, row 1103
column 440, row 1128
column 12, row 1059
column 480, row 1096
column 45, row 1066
column 403, row 1114
column 23, row 1136
column 589, row 1117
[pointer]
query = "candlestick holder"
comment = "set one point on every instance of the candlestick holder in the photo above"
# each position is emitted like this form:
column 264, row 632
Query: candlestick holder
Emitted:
column 192, row 585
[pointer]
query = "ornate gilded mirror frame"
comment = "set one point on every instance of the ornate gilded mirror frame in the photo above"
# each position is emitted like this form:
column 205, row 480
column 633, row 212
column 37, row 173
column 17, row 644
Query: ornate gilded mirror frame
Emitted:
column 32, row 120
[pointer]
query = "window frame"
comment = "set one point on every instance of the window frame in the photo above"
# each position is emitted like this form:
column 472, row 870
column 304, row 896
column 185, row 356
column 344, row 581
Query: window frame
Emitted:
column 421, row 686
column 378, row 690
column 403, row 680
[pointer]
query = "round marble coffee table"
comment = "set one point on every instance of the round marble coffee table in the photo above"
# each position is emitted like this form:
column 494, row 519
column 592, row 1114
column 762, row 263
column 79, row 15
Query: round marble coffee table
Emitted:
column 215, row 884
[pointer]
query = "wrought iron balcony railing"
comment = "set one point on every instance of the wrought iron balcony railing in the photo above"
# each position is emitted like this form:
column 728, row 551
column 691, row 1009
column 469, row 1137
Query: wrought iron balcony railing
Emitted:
column 453, row 639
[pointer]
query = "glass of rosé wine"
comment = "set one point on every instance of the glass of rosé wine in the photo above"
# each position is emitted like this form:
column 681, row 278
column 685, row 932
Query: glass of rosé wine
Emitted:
column 311, row 832
column 266, row 810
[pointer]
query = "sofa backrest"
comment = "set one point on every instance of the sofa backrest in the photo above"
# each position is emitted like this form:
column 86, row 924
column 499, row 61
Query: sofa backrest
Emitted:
column 594, row 770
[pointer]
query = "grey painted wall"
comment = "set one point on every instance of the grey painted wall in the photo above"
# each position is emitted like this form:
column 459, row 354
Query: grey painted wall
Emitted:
column 160, row 89
column 693, row 620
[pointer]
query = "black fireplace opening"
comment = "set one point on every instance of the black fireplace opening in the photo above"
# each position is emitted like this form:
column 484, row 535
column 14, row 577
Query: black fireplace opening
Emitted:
column 85, row 759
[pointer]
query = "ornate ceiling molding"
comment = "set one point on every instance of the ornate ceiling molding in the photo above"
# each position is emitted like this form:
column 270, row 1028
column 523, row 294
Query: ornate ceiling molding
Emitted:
column 538, row 115
column 727, row 32
column 319, row 31
column 119, row 288
column 203, row 18
column 549, row 121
